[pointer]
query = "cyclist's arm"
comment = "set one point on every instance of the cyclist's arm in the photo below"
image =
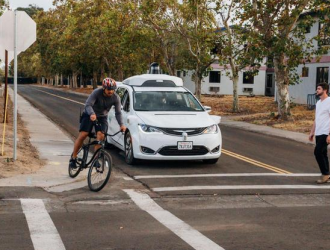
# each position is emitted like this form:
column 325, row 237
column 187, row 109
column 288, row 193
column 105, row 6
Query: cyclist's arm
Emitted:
column 90, row 102
column 119, row 117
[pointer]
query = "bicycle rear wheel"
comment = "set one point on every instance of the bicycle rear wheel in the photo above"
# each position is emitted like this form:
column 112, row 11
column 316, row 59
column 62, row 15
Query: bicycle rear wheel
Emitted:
column 73, row 172
column 98, row 176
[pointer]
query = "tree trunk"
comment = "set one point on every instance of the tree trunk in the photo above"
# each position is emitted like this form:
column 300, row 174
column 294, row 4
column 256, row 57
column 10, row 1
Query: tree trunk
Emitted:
column 235, row 92
column 282, row 84
column 81, row 80
column 61, row 82
column 198, row 83
column 102, row 76
column 120, row 72
column 57, row 78
column 74, row 79
column 94, row 79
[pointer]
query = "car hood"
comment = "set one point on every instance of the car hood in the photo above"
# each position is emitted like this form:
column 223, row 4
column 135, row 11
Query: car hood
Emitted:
column 176, row 119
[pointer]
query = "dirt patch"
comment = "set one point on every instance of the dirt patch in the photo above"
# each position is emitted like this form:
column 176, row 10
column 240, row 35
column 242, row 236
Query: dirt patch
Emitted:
column 28, row 160
column 222, row 105
column 262, row 110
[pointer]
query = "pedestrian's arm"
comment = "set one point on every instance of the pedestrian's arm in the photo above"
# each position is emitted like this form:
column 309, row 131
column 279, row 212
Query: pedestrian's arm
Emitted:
column 311, row 134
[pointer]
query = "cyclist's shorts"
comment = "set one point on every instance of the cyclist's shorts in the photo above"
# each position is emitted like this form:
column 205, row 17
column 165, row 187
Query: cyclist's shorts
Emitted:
column 86, row 124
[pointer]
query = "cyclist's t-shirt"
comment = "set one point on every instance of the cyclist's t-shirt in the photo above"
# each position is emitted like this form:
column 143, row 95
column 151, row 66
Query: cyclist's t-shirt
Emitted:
column 100, row 105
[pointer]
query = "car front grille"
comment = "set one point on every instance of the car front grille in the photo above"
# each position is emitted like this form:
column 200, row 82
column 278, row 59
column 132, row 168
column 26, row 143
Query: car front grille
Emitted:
column 179, row 131
column 173, row 151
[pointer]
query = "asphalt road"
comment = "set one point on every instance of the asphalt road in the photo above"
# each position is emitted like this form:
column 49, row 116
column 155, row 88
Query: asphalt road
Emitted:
column 236, row 213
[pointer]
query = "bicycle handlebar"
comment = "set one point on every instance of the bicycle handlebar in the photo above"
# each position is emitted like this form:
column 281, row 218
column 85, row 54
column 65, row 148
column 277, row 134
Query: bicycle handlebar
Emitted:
column 96, row 123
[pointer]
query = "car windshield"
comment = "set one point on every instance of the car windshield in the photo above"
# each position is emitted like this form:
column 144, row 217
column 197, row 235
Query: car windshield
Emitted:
column 165, row 101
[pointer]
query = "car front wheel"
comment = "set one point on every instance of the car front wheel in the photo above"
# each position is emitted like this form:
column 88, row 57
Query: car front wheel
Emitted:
column 129, row 154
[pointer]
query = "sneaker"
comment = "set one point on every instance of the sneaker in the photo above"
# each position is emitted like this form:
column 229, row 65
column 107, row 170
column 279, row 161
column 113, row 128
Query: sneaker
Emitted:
column 73, row 163
column 97, row 164
column 323, row 179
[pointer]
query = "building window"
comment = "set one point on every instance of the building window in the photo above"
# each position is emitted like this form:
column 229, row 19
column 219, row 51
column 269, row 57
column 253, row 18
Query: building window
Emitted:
column 322, row 75
column 247, row 90
column 308, row 30
column 184, row 73
column 178, row 73
column 214, row 89
column 304, row 72
column 214, row 77
column 248, row 78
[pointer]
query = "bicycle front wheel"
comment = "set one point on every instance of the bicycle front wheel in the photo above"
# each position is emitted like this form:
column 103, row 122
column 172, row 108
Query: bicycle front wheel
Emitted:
column 99, row 171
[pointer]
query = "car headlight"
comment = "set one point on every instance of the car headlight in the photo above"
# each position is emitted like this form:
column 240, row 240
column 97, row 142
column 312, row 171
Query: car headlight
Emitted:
column 211, row 130
column 149, row 129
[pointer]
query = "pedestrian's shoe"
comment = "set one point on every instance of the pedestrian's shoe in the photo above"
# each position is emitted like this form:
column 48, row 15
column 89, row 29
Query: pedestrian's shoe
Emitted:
column 323, row 179
column 73, row 163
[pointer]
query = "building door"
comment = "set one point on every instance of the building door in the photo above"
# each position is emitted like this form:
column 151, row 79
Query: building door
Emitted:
column 322, row 75
column 270, row 86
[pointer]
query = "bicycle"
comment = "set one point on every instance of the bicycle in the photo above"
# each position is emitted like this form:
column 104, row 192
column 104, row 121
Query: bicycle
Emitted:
column 98, row 174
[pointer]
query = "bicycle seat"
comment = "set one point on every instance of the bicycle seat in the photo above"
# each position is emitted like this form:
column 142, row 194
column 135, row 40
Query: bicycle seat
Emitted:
column 92, row 135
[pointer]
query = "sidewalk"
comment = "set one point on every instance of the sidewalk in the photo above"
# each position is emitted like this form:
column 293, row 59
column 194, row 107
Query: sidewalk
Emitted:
column 55, row 147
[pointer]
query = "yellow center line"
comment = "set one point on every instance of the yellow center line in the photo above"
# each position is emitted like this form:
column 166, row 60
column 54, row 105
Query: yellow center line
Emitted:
column 60, row 97
column 256, row 163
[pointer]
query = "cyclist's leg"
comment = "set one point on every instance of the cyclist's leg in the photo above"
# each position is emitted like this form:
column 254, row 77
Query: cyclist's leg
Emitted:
column 86, row 126
column 100, row 130
column 79, row 142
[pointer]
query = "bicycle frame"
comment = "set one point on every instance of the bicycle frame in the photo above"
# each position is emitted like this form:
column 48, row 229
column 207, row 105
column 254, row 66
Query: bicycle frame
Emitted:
column 84, row 161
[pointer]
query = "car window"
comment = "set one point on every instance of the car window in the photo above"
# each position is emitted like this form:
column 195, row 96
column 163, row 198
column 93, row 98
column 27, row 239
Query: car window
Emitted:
column 165, row 101
column 124, row 97
column 126, row 105
column 121, row 92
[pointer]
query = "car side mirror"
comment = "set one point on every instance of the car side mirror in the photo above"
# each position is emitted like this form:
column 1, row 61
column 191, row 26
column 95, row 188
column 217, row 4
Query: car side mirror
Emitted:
column 132, row 119
column 207, row 109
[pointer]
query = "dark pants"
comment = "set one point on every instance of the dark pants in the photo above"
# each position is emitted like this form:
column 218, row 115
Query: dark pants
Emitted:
column 86, row 124
column 321, row 153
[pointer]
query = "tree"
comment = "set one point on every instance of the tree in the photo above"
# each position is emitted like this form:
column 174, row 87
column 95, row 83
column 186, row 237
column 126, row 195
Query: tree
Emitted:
column 194, row 21
column 165, row 38
column 32, row 10
column 276, row 26
column 233, row 47
column 3, row 6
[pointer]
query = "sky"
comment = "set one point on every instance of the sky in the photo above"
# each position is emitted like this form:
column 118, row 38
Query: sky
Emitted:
column 45, row 4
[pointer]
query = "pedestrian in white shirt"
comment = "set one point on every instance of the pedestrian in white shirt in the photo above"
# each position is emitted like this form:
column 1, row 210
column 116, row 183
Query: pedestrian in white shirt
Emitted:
column 321, row 131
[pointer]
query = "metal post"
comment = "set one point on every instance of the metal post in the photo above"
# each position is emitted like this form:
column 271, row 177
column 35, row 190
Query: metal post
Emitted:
column 6, row 86
column 15, row 88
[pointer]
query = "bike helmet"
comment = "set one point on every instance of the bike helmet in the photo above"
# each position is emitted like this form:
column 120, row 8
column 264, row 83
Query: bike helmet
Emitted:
column 109, row 84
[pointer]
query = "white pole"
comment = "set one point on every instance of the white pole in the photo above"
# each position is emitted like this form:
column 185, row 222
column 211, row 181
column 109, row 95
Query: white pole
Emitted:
column 15, row 88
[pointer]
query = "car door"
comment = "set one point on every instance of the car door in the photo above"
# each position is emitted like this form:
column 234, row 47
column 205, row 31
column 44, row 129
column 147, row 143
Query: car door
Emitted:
column 124, row 112
column 112, row 121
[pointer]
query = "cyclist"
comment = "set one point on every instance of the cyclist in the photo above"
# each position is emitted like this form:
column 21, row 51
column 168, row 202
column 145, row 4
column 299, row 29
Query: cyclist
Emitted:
column 97, row 108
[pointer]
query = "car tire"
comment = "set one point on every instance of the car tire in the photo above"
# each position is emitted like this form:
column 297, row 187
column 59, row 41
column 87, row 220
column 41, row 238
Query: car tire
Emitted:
column 129, row 154
column 211, row 161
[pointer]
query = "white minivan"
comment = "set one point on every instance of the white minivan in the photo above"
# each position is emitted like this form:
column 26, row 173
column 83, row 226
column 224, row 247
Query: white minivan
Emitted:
column 164, row 121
